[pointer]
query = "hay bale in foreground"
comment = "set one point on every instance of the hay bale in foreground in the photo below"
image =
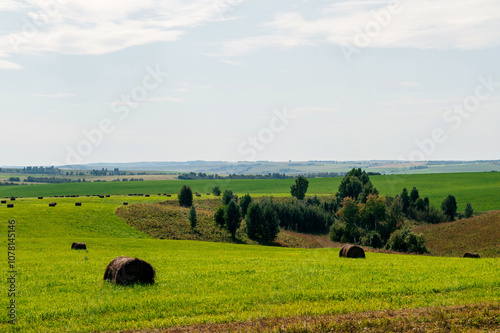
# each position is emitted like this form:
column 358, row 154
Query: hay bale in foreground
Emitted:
column 352, row 251
column 78, row 246
column 127, row 271
column 471, row 255
column 4, row 201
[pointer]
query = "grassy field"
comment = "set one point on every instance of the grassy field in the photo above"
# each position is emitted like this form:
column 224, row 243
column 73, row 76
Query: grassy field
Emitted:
column 481, row 189
column 480, row 234
column 61, row 290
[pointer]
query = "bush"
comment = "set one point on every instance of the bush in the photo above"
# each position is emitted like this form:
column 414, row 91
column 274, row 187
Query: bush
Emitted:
column 406, row 241
column 468, row 210
column 185, row 196
column 337, row 230
column 216, row 191
column 372, row 239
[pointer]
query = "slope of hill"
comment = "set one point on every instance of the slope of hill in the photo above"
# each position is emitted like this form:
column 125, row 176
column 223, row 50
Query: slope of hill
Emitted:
column 480, row 234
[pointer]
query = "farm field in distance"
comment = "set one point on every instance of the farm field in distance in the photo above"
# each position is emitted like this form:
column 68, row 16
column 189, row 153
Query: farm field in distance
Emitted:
column 62, row 290
column 481, row 189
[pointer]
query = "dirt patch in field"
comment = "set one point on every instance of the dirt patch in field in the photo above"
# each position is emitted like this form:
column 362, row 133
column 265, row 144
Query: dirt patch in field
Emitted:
column 466, row 318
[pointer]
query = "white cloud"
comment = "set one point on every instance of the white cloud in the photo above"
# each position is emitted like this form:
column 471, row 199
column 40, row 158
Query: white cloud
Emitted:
column 100, row 27
column 4, row 64
column 166, row 99
column 459, row 24
column 57, row 95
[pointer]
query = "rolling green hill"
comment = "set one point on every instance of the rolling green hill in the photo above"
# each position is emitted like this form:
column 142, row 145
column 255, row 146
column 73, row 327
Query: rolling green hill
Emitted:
column 61, row 290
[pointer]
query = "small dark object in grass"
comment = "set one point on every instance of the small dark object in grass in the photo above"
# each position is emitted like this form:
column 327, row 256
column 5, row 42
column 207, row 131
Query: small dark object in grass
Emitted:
column 471, row 255
column 4, row 201
column 12, row 199
column 125, row 203
column 169, row 195
column 127, row 271
column 78, row 246
column 147, row 195
column 52, row 204
column 78, row 204
column 10, row 205
column 40, row 197
column 352, row 251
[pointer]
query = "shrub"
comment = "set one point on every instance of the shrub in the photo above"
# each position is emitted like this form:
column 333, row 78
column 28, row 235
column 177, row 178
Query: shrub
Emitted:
column 337, row 230
column 406, row 241
column 216, row 191
column 372, row 239
column 185, row 196
column 468, row 210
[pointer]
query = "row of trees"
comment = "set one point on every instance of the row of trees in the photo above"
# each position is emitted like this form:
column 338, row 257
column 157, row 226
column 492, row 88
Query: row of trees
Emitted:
column 357, row 214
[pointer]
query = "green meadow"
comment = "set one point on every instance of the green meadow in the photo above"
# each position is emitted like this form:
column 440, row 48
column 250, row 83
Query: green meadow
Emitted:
column 62, row 290
column 481, row 189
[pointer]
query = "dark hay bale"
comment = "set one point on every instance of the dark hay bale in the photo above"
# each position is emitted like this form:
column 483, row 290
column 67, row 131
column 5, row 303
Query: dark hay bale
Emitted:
column 147, row 195
column 351, row 251
column 168, row 195
column 78, row 246
column 107, row 195
column 12, row 199
column 4, row 201
column 198, row 194
column 40, row 197
column 471, row 255
column 79, row 204
column 52, row 204
column 127, row 271
column 10, row 205
column 208, row 193
column 101, row 196
column 125, row 203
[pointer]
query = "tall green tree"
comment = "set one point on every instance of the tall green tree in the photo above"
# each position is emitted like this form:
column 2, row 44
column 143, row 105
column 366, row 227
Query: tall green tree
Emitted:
column 414, row 194
column 356, row 184
column 219, row 217
column 232, row 217
column 192, row 217
column 449, row 207
column 244, row 202
column 185, row 196
column 299, row 189
column 262, row 224
column 406, row 200
column 228, row 195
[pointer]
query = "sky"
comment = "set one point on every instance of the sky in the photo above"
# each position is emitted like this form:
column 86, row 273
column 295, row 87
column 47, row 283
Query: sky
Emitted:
column 84, row 81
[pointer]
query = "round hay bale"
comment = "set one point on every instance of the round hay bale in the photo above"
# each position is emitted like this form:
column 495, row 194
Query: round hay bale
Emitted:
column 4, row 201
column 351, row 251
column 471, row 255
column 40, row 197
column 147, row 195
column 79, row 204
column 78, row 246
column 127, row 271
column 12, row 199
column 125, row 203
column 52, row 204
column 169, row 195
column 10, row 205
